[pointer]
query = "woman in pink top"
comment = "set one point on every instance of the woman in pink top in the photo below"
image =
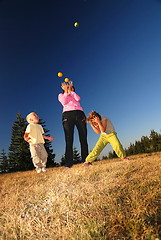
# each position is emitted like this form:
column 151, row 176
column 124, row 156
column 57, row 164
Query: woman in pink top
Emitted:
column 73, row 115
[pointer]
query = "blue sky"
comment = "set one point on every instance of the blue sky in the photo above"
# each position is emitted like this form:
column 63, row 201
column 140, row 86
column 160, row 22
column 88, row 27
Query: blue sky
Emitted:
column 113, row 58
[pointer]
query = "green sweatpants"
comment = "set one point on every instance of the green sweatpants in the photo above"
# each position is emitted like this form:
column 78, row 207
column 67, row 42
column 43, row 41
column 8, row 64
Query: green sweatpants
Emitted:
column 103, row 140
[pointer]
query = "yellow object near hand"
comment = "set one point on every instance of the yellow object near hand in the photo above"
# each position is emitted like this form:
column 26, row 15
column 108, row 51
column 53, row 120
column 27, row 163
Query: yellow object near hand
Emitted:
column 60, row 74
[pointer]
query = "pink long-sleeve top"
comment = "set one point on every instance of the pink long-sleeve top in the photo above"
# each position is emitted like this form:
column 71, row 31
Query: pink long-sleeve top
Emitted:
column 70, row 101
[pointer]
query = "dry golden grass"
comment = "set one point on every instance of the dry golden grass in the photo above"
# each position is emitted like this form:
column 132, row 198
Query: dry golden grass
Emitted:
column 110, row 200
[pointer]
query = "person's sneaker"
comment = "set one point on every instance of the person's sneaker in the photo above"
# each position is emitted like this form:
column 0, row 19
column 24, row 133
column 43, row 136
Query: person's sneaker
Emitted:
column 86, row 164
column 43, row 169
column 38, row 170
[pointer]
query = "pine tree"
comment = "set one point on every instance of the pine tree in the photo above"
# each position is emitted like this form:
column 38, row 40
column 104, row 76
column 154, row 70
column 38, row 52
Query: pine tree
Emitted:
column 76, row 157
column 4, row 164
column 112, row 154
column 62, row 162
column 104, row 157
column 155, row 140
column 138, row 147
column 130, row 150
column 19, row 154
column 145, row 144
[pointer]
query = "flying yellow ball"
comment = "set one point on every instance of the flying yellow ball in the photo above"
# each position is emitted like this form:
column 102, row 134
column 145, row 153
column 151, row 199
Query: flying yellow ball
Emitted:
column 60, row 74
column 66, row 80
column 76, row 24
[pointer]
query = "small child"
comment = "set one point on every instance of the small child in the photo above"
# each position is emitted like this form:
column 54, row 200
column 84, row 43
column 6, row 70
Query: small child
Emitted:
column 34, row 135
column 103, row 126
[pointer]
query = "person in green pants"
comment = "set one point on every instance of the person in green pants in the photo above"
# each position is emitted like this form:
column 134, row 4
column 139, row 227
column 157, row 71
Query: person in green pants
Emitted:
column 103, row 126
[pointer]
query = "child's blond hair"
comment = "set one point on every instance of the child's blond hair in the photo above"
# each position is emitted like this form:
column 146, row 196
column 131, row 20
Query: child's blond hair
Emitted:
column 29, row 116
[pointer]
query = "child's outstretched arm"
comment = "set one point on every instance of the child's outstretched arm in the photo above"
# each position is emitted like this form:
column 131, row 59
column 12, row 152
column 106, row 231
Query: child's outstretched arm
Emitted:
column 50, row 138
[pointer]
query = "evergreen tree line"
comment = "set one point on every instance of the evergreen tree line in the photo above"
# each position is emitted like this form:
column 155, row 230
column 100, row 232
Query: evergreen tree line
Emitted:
column 145, row 145
column 19, row 157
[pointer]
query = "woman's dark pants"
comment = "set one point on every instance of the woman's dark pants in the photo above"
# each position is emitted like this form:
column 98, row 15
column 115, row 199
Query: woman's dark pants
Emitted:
column 71, row 119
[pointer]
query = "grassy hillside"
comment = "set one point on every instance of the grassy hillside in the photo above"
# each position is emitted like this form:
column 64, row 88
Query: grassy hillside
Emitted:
column 110, row 200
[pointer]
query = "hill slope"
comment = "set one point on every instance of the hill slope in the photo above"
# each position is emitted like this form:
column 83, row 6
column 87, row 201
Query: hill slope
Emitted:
column 110, row 200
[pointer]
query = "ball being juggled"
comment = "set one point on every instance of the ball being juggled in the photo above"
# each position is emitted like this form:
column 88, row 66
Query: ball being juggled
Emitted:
column 66, row 80
column 76, row 24
column 60, row 74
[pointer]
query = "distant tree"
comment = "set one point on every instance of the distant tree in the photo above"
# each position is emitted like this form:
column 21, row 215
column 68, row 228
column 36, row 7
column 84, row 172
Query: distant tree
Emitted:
column 62, row 161
column 130, row 150
column 155, row 141
column 112, row 154
column 4, row 164
column 19, row 154
column 104, row 157
column 138, row 147
column 146, row 144
column 76, row 157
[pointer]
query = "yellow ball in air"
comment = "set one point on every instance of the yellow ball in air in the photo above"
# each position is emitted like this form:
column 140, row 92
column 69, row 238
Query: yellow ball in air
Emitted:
column 76, row 24
column 66, row 80
column 60, row 74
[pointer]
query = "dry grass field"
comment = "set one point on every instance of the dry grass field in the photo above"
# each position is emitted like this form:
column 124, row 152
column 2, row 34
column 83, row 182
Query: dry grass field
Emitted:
column 111, row 200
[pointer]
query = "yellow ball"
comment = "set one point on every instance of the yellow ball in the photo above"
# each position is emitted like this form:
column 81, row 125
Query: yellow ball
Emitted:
column 76, row 24
column 60, row 74
column 66, row 80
